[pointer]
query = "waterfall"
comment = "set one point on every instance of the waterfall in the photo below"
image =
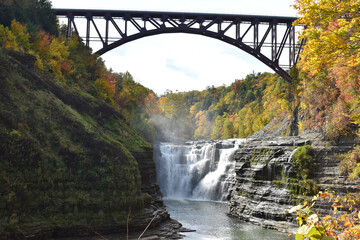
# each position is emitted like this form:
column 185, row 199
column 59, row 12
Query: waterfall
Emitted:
column 201, row 170
column 289, row 164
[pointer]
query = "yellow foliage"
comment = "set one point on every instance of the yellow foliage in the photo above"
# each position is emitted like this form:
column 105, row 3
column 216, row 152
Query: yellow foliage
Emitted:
column 203, row 126
column 21, row 35
column 331, row 63
column 301, row 126
column 332, row 31
column 165, row 106
column 7, row 38
column 332, row 226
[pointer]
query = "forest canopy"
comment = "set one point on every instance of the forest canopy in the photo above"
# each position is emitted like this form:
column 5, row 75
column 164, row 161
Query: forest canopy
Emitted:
column 330, row 64
column 34, row 14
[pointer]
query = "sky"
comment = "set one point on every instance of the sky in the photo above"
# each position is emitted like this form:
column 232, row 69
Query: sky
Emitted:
column 183, row 62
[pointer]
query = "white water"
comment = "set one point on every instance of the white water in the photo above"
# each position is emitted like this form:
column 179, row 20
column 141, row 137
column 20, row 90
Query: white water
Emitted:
column 289, row 164
column 196, row 170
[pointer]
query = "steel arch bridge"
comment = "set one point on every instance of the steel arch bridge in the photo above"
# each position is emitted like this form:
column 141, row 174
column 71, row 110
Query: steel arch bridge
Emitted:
column 270, row 39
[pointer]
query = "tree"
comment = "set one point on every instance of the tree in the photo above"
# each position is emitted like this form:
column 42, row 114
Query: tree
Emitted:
column 34, row 14
column 52, row 54
column 7, row 38
column 332, row 33
column 21, row 35
column 330, row 63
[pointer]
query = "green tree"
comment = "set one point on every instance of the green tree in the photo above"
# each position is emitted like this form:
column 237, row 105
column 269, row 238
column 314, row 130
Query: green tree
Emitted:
column 34, row 14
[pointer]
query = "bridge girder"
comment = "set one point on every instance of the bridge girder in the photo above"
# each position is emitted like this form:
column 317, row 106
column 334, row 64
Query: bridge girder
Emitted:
column 217, row 26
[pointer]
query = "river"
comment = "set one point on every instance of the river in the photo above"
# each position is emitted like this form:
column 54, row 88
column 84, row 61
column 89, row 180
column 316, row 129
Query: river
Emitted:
column 210, row 221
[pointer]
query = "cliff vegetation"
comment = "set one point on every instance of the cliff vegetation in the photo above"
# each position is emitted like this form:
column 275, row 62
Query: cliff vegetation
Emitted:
column 66, row 148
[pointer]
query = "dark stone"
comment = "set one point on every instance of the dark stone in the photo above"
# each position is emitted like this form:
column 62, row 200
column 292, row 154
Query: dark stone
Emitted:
column 294, row 126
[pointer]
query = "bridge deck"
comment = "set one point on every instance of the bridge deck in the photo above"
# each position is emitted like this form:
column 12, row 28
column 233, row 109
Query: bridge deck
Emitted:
column 187, row 15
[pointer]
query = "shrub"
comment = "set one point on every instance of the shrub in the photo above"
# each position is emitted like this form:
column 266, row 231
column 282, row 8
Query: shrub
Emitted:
column 304, row 187
column 350, row 164
column 147, row 199
column 336, row 225
column 304, row 160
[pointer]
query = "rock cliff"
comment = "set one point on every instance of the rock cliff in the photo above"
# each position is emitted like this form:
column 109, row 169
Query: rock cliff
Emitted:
column 264, row 168
column 162, row 226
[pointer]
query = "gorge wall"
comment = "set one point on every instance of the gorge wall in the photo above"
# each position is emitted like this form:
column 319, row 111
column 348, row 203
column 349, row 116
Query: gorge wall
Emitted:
column 69, row 163
column 263, row 169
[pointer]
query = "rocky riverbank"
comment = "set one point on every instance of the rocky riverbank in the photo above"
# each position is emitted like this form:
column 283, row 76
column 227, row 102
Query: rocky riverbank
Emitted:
column 162, row 226
column 263, row 169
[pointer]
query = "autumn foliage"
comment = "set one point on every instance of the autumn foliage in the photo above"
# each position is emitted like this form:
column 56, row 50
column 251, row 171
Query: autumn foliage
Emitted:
column 330, row 64
column 330, row 71
column 73, row 63
column 342, row 222
column 329, row 100
column 234, row 111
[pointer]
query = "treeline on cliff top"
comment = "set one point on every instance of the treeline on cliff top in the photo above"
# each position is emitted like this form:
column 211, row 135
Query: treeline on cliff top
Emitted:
column 234, row 111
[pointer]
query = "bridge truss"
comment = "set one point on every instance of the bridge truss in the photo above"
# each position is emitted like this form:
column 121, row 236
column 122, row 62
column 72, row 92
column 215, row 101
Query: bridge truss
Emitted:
column 272, row 40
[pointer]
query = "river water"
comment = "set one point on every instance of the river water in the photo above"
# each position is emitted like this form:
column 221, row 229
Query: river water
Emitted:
column 210, row 221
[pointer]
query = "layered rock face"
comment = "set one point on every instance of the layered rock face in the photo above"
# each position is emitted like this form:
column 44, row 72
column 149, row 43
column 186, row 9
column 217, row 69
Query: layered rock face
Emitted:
column 162, row 226
column 150, row 186
column 261, row 163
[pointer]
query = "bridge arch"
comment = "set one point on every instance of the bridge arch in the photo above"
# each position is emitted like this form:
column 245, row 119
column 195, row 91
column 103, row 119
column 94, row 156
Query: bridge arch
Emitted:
column 215, row 26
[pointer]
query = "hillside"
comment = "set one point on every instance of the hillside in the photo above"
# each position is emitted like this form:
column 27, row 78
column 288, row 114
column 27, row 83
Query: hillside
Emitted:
column 234, row 111
column 66, row 158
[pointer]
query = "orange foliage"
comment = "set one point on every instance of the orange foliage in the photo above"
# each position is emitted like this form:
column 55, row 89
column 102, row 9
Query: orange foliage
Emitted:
column 42, row 42
column 231, row 118
column 336, row 225
column 236, row 85
column 66, row 65
column 331, row 63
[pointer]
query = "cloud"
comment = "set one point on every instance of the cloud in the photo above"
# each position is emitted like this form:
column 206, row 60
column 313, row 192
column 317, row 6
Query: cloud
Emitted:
column 170, row 64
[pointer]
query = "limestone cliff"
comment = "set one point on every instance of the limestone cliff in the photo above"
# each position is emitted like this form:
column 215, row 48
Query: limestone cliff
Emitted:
column 263, row 171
